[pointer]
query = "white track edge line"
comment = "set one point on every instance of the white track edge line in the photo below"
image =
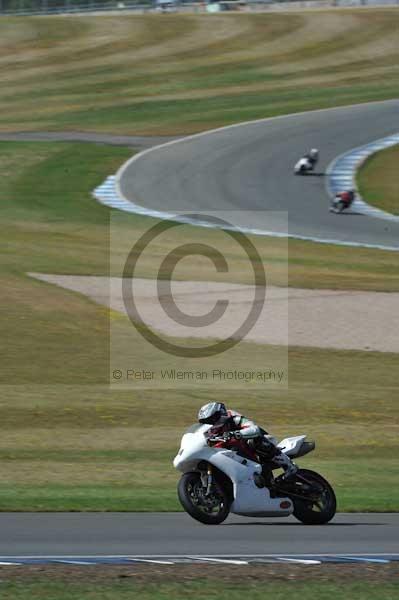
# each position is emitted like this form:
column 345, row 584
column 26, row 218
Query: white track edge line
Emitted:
column 358, row 157
column 130, row 207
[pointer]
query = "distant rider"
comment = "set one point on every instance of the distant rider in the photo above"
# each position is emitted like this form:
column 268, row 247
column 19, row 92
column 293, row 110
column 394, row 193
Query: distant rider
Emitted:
column 346, row 198
column 312, row 156
column 236, row 426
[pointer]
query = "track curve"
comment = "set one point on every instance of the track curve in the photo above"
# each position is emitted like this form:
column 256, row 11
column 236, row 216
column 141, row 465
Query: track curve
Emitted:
column 250, row 166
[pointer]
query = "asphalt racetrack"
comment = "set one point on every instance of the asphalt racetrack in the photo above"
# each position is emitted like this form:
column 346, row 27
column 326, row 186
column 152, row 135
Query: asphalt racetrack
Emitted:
column 157, row 534
column 250, row 167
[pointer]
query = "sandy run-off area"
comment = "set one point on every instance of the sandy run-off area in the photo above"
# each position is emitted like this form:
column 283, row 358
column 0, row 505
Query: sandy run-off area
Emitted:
column 298, row 317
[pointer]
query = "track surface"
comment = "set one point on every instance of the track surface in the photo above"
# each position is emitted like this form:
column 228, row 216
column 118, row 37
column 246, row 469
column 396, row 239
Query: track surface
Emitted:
column 250, row 167
column 176, row 533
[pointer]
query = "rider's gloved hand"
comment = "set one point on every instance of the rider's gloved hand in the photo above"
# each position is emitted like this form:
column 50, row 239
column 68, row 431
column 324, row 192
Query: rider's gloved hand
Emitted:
column 232, row 435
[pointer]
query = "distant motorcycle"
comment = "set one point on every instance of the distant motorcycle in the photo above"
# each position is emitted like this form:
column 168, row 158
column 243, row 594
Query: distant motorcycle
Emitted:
column 303, row 166
column 307, row 162
column 219, row 478
column 342, row 201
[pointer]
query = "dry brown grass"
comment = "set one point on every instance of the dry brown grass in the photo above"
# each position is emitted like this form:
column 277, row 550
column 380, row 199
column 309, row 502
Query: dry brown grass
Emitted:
column 99, row 73
column 250, row 575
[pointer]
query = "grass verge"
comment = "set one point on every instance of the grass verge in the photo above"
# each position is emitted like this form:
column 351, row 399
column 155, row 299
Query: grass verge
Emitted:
column 378, row 180
column 126, row 588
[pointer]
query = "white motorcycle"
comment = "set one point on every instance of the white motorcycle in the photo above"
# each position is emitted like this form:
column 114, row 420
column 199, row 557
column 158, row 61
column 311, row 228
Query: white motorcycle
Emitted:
column 219, row 478
column 303, row 166
column 307, row 162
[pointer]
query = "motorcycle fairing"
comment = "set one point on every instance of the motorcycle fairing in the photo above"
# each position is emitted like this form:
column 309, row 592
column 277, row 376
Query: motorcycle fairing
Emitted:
column 249, row 500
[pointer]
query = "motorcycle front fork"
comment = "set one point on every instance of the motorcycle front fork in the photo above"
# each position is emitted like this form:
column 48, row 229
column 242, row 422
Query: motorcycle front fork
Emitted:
column 207, row 480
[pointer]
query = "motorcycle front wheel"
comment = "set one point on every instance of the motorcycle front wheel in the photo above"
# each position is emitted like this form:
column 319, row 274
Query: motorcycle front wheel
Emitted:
column 210, row 509
column 321, row 505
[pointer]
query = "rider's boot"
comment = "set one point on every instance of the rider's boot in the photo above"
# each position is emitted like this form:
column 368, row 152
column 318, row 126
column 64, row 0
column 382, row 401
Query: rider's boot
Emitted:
column 284, row 461
column 277, row 457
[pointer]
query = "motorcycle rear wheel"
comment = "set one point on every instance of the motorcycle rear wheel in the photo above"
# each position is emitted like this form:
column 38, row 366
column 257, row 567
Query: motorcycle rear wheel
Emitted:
column 211, row 510
column 309, row 511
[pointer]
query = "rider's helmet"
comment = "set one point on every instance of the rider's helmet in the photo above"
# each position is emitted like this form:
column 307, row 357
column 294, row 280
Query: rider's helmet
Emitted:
column 314, row 153
column 211, row 413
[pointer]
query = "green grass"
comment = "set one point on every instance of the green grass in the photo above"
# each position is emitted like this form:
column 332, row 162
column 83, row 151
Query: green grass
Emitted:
column 202, row 589
column 378, row 180
column 184, row 73
column 360, row 484
column 68, row 442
